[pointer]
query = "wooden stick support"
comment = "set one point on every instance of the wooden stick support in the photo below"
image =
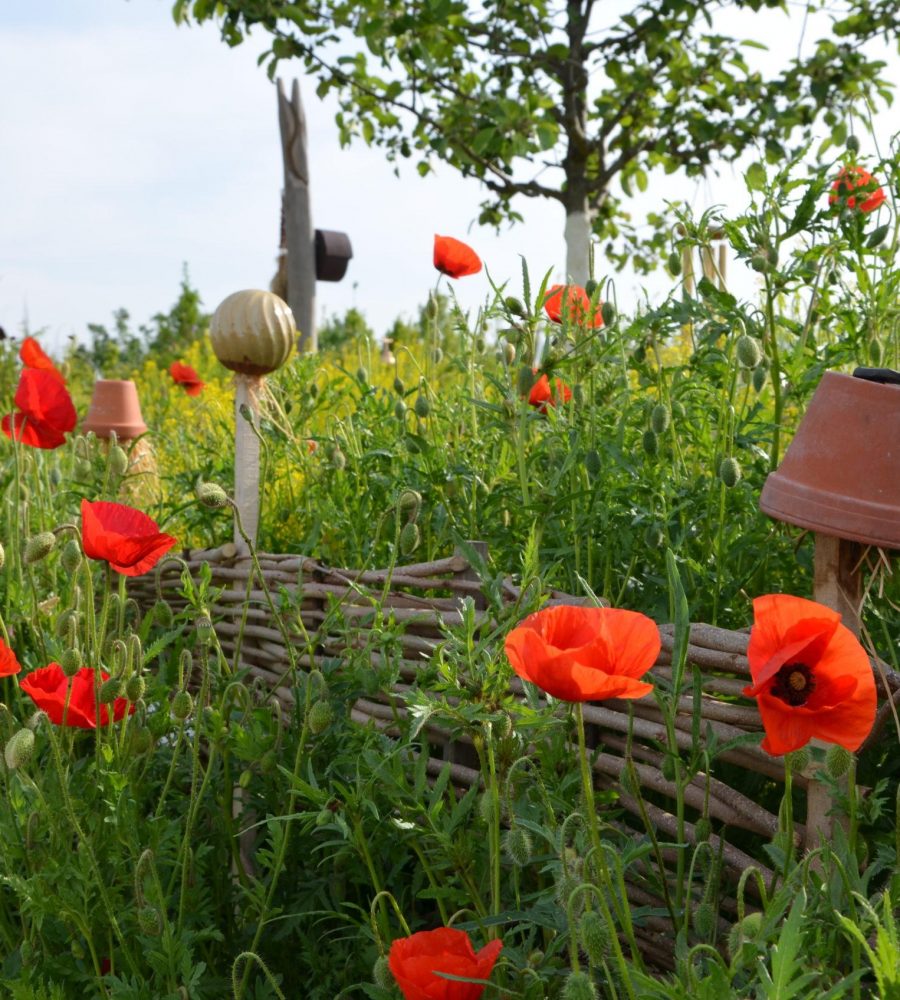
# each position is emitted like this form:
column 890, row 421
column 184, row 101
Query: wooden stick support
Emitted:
column 837, row 583
column 246, row 456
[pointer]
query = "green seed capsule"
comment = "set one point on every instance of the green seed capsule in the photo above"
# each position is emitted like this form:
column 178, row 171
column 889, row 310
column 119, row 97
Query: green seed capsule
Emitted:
column 508, row 352
column 245, row 778
column 730, row 471
column 660, row 418
column 514, row 305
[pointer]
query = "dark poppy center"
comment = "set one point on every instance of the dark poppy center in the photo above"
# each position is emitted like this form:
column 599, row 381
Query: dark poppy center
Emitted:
column 794, row 683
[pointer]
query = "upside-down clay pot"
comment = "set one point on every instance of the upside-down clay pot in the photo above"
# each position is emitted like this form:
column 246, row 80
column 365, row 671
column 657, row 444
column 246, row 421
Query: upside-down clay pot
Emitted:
column 115, row 407
column 840, row 476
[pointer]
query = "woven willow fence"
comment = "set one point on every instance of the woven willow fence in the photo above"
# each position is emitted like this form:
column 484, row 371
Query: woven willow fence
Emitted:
column 247, row 634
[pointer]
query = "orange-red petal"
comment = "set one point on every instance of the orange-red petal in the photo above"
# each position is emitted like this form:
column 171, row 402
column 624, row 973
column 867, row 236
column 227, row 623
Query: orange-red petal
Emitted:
column 455, row 258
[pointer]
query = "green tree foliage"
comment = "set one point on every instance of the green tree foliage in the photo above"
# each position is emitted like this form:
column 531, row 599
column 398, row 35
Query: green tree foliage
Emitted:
column 560, row 100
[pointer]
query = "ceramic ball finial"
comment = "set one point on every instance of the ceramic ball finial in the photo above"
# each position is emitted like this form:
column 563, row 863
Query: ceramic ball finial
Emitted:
column 252, row 332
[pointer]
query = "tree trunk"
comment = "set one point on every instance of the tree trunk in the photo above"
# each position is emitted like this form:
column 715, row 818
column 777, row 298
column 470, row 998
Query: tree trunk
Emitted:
column 301, row 251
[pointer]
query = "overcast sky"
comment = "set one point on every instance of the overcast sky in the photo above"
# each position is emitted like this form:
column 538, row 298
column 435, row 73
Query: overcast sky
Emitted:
column 131, row 146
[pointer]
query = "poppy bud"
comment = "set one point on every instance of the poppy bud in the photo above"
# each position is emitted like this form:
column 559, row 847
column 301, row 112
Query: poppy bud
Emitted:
column 669, row 769
column 362, row 376
column 110, row 690
column 77, row 949
column 212, row 495
column 608, row 313
column 118, row 461
column 246, row 776
column 55, row 476
column 534, row 990
column 135, row 687
column 141, row 740
column 579, row 987
column 524, row 380
column 70, row 662
column 421, row 428
column 660, row 418
column 800, row 760
column 479, row 345
column 875, row 352
column 852, row 144
column 702, row 829
column 313, row 390
column 838, row 761
column 759, row 378
column 163, row 614
column 592, row 462
column 38, row 547
column 749, row 353
column 83, row 469
column 324, row 817
column 70, row 558
column 382, row 975
column 485, row 807
column 149, row 921
column 704, row 918
column 321, row 715
column 650, row 443
column 437, row 355
column 400, row 409
column 654, row 536
column 399, row 386
column 674, row 263
column 182, row 705
column 517, row 843
column 158, row 724
column 730, row 471
column 514, row 305
column 745, row 930
column 565, row 886
column 19, row 749
column 409, row 503
column 204, row 628
column 509, row 352
column 409, row 538
column 594, row 936
column 338, row 460
column 422, row 407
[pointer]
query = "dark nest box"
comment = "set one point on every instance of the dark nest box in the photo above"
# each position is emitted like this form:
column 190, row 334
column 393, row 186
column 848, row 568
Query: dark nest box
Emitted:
column 333, row 253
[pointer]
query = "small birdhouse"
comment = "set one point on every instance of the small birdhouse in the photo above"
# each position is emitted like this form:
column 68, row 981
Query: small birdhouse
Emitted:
column 333, row 253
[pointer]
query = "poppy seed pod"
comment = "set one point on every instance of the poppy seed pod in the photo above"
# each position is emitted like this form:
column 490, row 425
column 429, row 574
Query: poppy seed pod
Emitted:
column 748, row 351
column 509, row 352
column 579, row 987
column 730, row 471
column 212, row 495
column 660, row 418
column 203, row 626
column 19, row 749
column 852, row 144
column 38, row 547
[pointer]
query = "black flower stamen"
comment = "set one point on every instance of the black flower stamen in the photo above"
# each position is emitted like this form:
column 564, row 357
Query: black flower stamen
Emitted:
column 793, row 684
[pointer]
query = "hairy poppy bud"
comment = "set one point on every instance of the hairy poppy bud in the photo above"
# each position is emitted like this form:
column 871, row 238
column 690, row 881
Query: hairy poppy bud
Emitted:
column 800, row 760
column 38, row 547
column 203, row 626
column 702, row 829
column 524, row 380
column 70, row 557
column 669, row 769
column 838, row 761
column 55, row 476
column 338, row 460
column 135, row 687
column 409, row 503
column 409, row 538
column 608, row 313
column 509, row 352
column 399, row 386
column 592, row 462
column 163, row 614
column 400, row 409
column 517, row 843
column 149, row 921
column 19, row 749
column 246, row 777
column 422, row 407
column 514, row 305
column 660, row 418
column 362, row 375
column 650, row 443
column 704, row 917
column 118, row 461
column 313, row 390
column 141, row 739
column 485, row 807
column 579, row 987
column 654, row 536
column 70, row 662
column 673, row 263
column 382, row 975
column 437, row 355
column 594, row 934
column 745, row 930
column 730, row 471
column 852, row 144
column 111, row 689
column 759, row 378
column 212, row 495
column 182, row 705
column 321, row 715
column 749, row 353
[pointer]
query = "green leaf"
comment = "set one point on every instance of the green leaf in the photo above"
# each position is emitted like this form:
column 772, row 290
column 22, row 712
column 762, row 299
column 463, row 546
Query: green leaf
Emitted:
column 755, row 177
column 877, row 237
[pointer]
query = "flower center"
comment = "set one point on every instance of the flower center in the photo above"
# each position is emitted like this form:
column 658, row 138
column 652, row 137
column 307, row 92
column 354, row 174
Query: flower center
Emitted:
column 793, row 684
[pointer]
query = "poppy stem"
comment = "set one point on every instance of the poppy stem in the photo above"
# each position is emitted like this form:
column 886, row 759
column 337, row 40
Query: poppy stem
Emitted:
column 788, row 813
column 590, row 809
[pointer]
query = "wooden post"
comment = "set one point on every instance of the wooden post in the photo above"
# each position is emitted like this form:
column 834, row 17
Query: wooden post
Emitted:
column 300, row 236
column 246, row 456
column 837, row 583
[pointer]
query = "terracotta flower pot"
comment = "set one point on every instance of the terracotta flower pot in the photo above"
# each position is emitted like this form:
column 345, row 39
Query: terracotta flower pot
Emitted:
column 840, row 475
column 115, row 407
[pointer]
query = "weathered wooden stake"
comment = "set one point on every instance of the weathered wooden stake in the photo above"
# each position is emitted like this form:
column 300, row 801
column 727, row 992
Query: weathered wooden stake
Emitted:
column 246, row 454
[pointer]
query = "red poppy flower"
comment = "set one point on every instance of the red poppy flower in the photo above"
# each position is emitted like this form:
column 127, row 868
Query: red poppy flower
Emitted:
column 127, row 539
column 416, row 961
column 46, row 413
column 811, row 677
column 455, row 258
column 184, row 375
column 541, row 396
column 577, row 305
column 585, row 654
column 9, row 665
column 33, row 356
column 856, row 179
column 47, row 688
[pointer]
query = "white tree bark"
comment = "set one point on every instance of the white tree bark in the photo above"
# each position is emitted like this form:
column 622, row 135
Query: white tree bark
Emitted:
column 578, row 247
